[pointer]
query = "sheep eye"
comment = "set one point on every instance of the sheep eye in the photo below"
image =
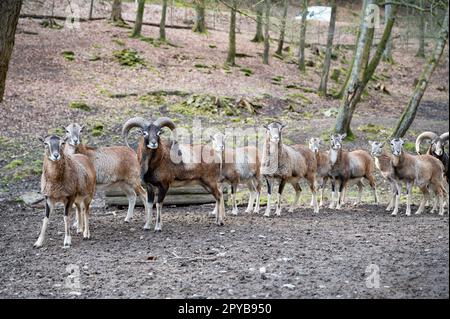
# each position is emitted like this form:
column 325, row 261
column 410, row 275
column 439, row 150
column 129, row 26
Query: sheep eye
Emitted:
column 159, row 132
column 145, row 133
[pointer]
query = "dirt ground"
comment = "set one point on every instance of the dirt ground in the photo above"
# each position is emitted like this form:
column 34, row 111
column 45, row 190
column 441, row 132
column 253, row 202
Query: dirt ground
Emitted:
column 335, row 254
column 305, row 255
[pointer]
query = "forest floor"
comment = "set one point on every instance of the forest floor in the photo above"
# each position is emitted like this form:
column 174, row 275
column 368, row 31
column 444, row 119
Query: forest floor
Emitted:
column 62, row 76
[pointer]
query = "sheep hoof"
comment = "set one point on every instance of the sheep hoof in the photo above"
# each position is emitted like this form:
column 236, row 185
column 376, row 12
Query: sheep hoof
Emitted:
column 147, row 227
column 291, row 210
column 256, row 211
column 37, row 244
column 127, row 220
column 67, row 241
column 394, row 214
column 408, row 214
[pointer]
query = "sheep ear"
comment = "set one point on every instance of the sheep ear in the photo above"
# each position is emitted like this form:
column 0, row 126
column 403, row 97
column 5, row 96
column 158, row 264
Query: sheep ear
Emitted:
column 382, row 144
column 82, row 128
column 266, row 126
column 283, row 126
column 343, row 136
column 371, row 143
column 41, row 139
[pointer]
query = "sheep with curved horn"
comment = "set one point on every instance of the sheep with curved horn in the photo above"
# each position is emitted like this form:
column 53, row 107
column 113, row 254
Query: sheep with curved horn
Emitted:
column 165, row 164
column 436, row 148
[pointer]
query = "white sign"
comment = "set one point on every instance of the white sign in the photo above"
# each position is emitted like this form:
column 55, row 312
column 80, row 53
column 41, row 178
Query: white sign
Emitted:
column 317, row 13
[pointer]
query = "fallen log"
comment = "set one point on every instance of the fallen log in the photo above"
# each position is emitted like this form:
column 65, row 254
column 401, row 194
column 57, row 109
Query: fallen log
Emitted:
column 184, row 195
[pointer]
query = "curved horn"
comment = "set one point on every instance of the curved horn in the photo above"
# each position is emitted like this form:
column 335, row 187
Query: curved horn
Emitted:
column 444, row 138
column 424, row 136
column 167, row 122
column 133, row 122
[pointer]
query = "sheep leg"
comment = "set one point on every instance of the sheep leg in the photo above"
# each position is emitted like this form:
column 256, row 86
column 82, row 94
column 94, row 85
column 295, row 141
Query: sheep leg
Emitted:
column 408, row 200
column 79, row 218
column 258, row 196
column 398, row 192
column 85, row 215
column 140, row 191
column 333, row 194
column 131, row 196
column 312, row 186
column 373, row 185
column 252, row 188
column 150, row 201
column 298, row 191
column 269, row 182
column 360, row 190
column 392, row 200
column 162, row 191
column 67, row 236
column 341, row 193
column 280, row 192
column 233, row 198
column 425, row 197
column 322, row 186
column 49, row 208
column 220, row 204
column 440, row 194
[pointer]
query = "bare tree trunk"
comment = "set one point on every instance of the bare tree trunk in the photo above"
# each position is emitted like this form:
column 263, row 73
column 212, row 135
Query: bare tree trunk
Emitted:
column 387, row 56
column 139, row 17
column 346, row 110
column 231, row 57
column 421, row 51
column 266, row 32
column 259, row 37
column 91, row 9
column 162, row 24
column 410, row 111
column 116, row 12
column 301, row 51
column 349, row 72
column 327, row 61
column 282, row 28
column 200, row 23
column 9, row 16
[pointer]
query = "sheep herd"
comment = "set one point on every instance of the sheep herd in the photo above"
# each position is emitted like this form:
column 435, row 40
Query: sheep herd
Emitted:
column 72, row 171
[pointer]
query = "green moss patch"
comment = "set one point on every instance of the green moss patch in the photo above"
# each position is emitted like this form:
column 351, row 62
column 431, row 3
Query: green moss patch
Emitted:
column 68, row 55
column 128, row 57
column 80, row 106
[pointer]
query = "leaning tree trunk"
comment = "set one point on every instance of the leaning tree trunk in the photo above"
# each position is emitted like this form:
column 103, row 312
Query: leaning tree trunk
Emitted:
column 162, row 24
column 231, row 57
column 9, row 16
column 266, row 32
column 387, row 55
column 421, row 51
column 345, row 114
column 349, row 71
column 327, row 61
column 91, row 9
column 259, row 37
column 282, row 28
column 139, row 17
column 360, row 86
column 301, row 51
column 200, row 23
column 411, row 109
column 116, row 11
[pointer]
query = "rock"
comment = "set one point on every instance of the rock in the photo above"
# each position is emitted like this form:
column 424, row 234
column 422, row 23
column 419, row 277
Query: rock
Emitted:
column 31, row 198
